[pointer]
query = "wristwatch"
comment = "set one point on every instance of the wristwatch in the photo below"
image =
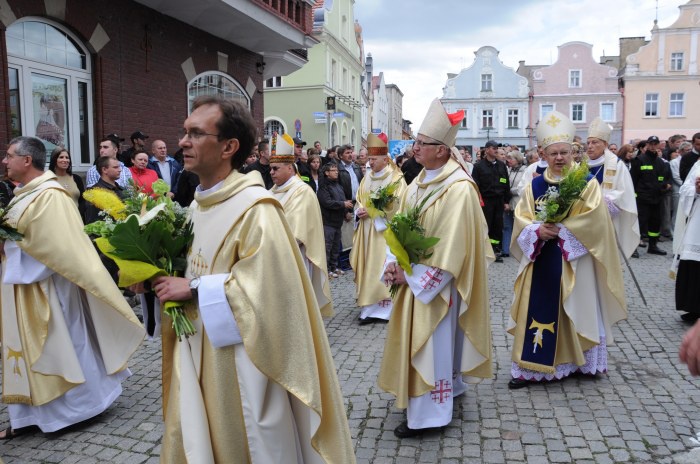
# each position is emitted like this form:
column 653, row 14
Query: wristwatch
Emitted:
column 194, row 286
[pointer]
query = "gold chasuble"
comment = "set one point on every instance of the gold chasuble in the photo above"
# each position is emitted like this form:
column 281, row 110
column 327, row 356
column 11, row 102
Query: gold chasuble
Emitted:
column 303, row 213
column 40, row 362
column 274, row 397
column 454, row 215
column 368, row 244
column 589, row 284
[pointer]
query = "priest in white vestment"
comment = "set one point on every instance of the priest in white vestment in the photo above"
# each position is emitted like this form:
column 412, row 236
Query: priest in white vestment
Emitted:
column 67, row 332
column 439, row 331
column 303, row 213
column 256, row 383
column 368, row 243
column 616, row 183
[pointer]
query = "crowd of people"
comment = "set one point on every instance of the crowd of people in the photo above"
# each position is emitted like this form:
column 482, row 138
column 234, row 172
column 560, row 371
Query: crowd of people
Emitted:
column 257, row 374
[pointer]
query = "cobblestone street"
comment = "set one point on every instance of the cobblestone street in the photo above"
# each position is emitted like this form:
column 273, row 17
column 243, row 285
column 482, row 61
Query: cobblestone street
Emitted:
column 645, row 410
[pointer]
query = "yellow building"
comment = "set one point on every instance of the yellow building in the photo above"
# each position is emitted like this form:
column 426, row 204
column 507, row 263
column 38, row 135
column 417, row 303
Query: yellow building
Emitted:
column 661, row 88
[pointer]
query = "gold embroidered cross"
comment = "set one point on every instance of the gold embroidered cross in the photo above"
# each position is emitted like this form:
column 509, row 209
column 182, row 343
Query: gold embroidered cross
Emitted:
column 553, row 121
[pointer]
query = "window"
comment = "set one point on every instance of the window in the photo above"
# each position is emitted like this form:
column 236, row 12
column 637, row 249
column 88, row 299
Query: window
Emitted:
column 577, row 112
column 651, row 105
column 216, row 83
column 272, row 126
column 677, row 61
column 545, row 110
column 334, row 73
column 487, row 119
column 50, row 83
column 676, row 104
column 465, row 121
column 486, row 82
column 353, row 87
column 574, row 78
column 273, row 82
column 345, row 80
column 513, row 119
column 607, row 112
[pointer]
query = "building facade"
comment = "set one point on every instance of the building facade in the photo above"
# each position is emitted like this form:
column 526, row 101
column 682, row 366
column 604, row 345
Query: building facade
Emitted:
column 494, row 99
column 297, row 103
column 395, row 104
column 578, row 86
column 380, row 105
column 76, row 70
column 661, row 80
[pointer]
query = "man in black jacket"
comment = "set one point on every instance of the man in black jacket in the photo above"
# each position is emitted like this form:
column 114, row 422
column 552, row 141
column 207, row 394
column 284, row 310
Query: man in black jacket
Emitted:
column 690, row 158
column 263, row 164
column 350, row 173
column 334, row 207
column 410, row 167
column 650, row 179
column 491, row 175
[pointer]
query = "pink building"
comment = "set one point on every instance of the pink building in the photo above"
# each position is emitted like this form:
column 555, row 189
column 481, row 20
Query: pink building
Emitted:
column 578, row 86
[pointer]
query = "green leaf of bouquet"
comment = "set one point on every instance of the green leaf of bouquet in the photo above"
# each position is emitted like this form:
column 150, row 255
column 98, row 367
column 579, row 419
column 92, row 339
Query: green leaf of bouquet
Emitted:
column 10, row 233
column 132, row 243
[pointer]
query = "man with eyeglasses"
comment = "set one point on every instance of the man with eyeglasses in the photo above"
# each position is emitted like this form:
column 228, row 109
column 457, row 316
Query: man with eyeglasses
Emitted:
column 569, row 290
column 256, row 382
column 108, row 147
column 439, row 329
column 303, row 213
column 67, row 332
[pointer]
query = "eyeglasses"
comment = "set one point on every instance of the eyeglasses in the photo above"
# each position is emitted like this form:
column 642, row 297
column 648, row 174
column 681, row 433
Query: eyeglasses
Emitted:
column 193, row 134
column 12, row 155
column 275, row 168
column 420, row 143
column 554, row 154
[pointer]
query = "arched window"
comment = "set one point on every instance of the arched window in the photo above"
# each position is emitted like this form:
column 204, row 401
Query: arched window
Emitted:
column 216, row 83
column 334, row 133
column 50, row 84
column 344, row 133
column 273, row 125
column 352, row 138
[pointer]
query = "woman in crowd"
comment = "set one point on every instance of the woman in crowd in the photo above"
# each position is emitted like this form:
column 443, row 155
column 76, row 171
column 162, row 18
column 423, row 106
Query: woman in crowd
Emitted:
column 142, row 175
column 626, row 153
column 314, row 167
column 333, row 207
column 61, row 165
column 514, row 160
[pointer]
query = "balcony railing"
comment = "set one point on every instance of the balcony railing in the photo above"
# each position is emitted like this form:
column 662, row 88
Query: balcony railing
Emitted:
column 295, row 12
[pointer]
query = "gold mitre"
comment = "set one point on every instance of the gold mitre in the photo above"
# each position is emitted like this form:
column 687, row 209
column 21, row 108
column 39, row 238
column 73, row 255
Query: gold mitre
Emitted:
column 440, row 125
column 600, row 129
column 377, row 144
column 555, row 128
column 281, row 149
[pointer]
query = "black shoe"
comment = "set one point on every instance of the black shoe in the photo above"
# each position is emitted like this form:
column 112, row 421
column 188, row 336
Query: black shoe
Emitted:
column 642, row 245
column 498, row 259
column 516, row 384
column 654, row 250
column 505, row 255
column 690, row 317
column 403, row 431
column 635, row 254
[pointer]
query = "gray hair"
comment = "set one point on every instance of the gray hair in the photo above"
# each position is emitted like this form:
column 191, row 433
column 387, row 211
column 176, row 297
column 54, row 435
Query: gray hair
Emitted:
column 516, row 155
column 685, row 146
column 31, row 146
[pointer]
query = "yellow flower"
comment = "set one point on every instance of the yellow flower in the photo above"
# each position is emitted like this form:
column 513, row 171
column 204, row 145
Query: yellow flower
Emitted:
column 107, row 201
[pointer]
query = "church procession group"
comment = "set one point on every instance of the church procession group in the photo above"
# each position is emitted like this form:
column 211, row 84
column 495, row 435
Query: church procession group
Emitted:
column 256, row 381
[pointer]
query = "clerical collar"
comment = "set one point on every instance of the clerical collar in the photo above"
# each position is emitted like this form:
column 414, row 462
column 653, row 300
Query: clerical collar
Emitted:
column 289, row 181
column 431, row 174
column 380, row 173
column 597, row 161
column 542, row 163
column 205, row 193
